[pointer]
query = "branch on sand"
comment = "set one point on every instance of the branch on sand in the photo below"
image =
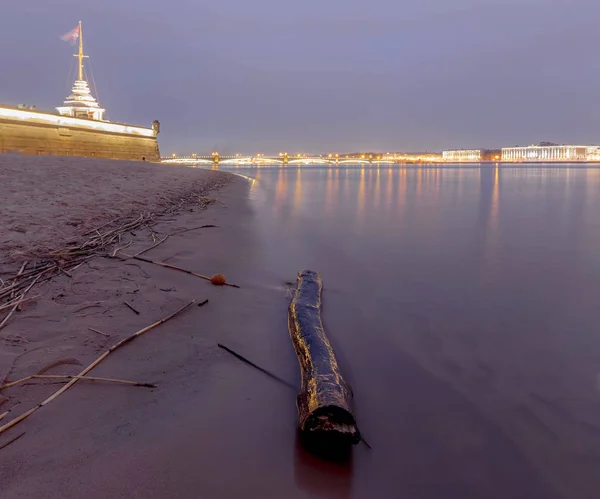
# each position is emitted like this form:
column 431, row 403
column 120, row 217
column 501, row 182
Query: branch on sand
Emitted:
column 217, row 279
column 11, row 441
column 183, row 231
column 66, row 376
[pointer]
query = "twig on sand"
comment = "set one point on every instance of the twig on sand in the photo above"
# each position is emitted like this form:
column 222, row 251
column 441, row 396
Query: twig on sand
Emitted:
column 3, row 323
column 271, row 375
column 202, row 303
column 185, row 271
column 99, row 332
column 60, row 269
column 114, row 254
column 131, row 307
column 102, row 226
column 85, row 307
column 25, row 415
column 250, row 363
column 21, row 269
column 153, row 246
column 61, row 362
column 66, row 376
column 3, row 415
column 11, row 441
column 177, row 232
column 19, row 301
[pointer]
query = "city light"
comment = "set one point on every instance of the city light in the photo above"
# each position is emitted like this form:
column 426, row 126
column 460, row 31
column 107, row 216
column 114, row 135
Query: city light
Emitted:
column 462, row 156
column 547, row 153
column 67, row 121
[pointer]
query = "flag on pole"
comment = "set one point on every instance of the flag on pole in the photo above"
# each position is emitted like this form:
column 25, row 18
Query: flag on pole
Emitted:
column 71, row 36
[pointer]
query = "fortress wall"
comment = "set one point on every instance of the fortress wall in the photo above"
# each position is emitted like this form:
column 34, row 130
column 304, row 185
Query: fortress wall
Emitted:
column 53, row 140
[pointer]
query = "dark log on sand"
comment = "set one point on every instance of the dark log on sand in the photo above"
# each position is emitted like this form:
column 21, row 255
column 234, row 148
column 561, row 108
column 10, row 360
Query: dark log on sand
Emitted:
column 325, row 399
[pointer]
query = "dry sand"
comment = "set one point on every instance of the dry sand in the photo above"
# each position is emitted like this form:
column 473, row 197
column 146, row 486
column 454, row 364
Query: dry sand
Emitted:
column 50, row 201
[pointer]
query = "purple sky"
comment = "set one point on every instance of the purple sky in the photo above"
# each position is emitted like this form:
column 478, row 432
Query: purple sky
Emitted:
column 320, row 75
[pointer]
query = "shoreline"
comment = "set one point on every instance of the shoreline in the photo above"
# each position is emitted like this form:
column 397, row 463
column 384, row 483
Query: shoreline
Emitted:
column 126, row 441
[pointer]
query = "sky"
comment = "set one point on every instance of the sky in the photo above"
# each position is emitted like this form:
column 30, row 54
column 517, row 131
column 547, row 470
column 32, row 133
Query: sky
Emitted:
column 319, row 75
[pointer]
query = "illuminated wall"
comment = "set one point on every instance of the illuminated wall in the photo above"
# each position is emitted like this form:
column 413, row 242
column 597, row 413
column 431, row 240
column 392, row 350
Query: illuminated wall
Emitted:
column 462, row 156
column 593, row 153
column 545, row 154
column 28, row 132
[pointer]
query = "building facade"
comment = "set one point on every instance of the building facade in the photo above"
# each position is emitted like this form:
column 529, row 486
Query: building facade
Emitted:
column 470, row 155
column 545, row 154
column 462, row 156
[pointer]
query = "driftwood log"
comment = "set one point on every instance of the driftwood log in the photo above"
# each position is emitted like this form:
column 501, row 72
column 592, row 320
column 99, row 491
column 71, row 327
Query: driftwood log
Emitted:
column 325, row 399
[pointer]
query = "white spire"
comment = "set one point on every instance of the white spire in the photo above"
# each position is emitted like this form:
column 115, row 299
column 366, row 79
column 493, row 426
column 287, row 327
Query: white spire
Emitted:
column 81, row 103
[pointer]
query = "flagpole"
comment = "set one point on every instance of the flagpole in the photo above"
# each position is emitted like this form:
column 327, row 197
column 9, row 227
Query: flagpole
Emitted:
column 80, row 52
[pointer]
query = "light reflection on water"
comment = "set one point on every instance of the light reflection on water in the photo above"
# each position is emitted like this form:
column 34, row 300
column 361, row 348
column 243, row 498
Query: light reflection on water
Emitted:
column 464, row 301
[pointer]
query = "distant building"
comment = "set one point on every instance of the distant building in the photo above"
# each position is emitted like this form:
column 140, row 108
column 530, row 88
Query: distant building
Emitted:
column 545, row 153
column 593, row 153
column 471, row 155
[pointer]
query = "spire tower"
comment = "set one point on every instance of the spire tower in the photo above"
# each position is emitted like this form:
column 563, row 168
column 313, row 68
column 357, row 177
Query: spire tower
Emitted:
column 81, row 103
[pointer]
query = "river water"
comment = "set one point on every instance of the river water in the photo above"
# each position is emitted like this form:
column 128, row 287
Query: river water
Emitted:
column 462, row 303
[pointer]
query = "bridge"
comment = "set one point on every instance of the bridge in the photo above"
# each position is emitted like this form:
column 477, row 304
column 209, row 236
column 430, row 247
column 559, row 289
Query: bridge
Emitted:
column 260, row 159
column 306, row 160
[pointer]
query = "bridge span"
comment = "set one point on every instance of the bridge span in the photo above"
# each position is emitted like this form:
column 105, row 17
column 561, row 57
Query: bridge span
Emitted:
column 238, row 160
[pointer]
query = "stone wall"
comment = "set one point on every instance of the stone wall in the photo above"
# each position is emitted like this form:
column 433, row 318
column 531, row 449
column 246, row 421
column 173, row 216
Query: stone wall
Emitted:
column 66, row 141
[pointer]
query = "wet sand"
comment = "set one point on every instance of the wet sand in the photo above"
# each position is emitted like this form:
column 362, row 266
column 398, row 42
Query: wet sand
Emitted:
column 215, row 427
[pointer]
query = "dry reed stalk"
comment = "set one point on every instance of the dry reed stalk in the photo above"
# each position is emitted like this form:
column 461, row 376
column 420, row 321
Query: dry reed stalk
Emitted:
column 12, row 295
column 32, row 272
column 17, row 302
column 25, row 415
column 22, row 269
column 255, row 366
column 15, row 383
column 173, row 267
column 80, row 264
column 99, row 332
column 67, row 376
column 11, row 441
column 60, row 269
column 177, row 232
column 10, row 289
column 131, row 307
column 91, row 378
column 121, row 248
column 3, row 323
column 152, row 247
column 102, row 226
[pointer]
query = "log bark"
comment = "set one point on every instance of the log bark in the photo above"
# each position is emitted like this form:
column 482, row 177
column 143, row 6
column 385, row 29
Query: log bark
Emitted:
column 325, row 398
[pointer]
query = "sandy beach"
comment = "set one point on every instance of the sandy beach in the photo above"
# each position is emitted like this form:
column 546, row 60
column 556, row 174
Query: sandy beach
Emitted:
column 49, row 202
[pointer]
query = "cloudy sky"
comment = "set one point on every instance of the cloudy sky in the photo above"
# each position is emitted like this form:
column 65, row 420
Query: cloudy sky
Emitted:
column 320, row 75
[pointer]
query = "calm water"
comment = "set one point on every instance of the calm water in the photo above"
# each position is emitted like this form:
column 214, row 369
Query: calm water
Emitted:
column 463, row 304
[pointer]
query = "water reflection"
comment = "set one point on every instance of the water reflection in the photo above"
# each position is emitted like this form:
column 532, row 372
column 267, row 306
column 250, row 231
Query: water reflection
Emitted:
column 473, row 289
